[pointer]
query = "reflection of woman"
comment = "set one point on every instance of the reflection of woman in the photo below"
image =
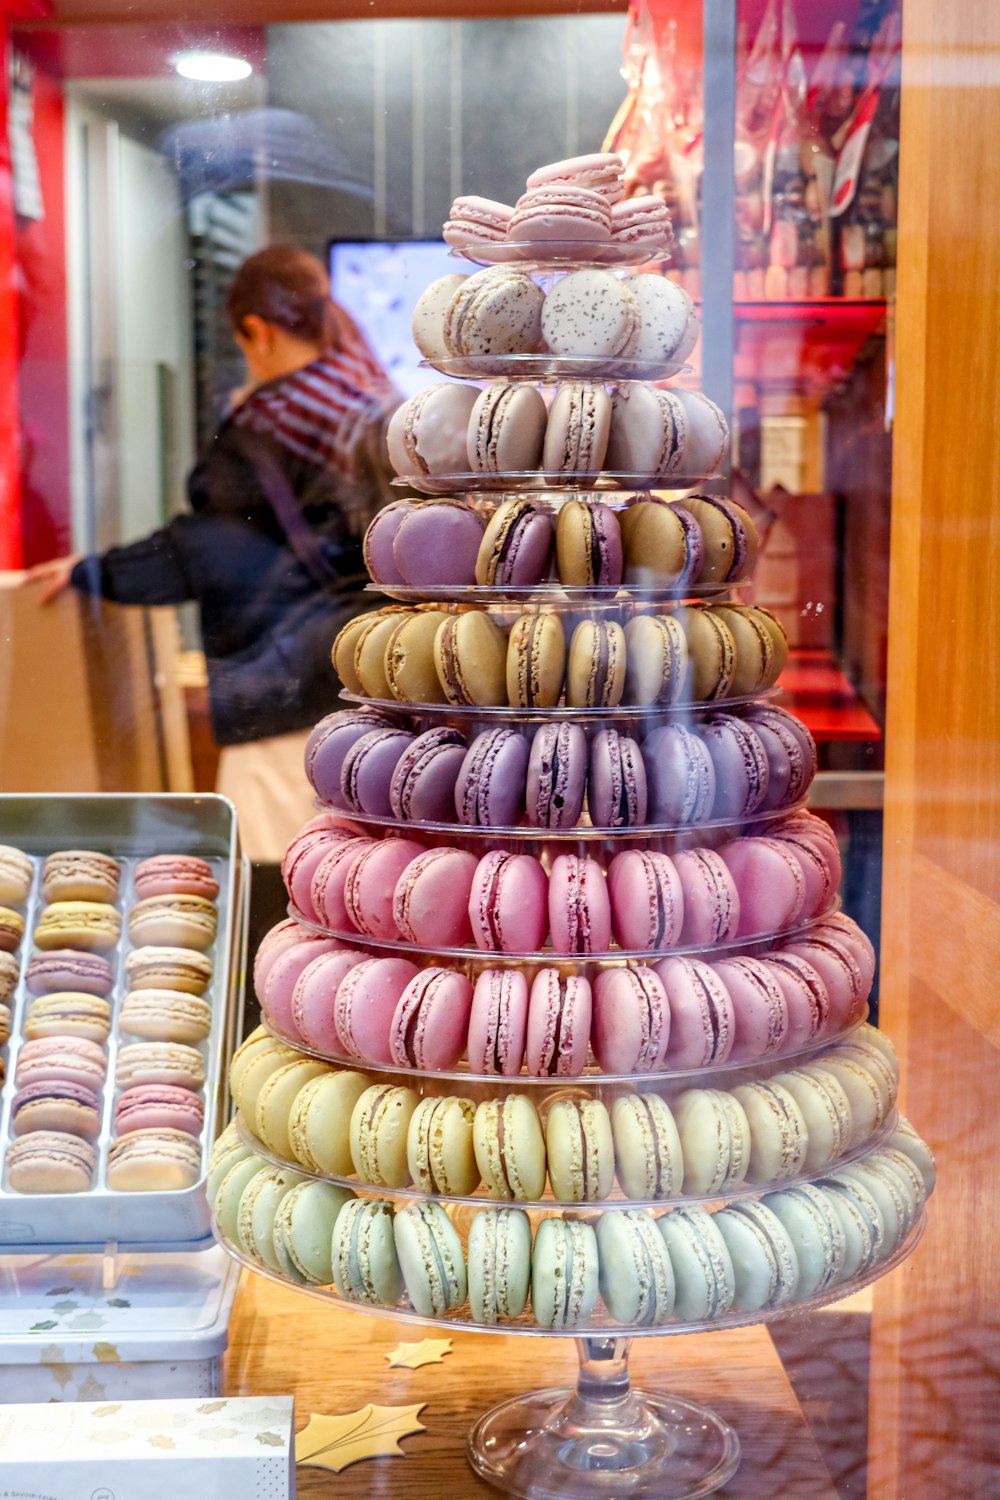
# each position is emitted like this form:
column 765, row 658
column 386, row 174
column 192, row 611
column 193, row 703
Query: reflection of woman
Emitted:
column 271, row 547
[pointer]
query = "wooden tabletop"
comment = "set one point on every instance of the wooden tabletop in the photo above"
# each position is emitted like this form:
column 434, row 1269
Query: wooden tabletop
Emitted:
column 333, row 1361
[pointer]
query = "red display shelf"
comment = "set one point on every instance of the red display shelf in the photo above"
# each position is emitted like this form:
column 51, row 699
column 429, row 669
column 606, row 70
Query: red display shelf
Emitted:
column 803, row 346
column 817, row 692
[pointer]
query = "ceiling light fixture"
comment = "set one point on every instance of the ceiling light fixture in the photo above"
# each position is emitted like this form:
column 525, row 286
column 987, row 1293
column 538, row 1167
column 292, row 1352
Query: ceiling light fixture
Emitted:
column 211, row 67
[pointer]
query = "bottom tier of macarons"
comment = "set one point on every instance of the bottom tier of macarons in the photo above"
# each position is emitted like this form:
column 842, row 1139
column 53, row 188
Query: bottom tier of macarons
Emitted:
column 623, row 1268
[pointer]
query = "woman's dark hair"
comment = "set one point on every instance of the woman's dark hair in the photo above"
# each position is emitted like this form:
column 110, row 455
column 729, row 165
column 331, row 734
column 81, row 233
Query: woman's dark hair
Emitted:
column 289, row 287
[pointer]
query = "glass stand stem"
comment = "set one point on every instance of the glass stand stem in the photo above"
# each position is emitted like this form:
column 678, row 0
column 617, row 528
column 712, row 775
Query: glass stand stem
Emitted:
column 603, row 1439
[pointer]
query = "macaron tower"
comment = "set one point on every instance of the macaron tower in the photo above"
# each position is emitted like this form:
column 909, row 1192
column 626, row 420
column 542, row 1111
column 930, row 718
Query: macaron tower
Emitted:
column 565, row 1033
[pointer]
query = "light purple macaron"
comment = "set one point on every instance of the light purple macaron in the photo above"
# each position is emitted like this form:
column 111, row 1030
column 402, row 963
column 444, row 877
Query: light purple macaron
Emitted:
column 379, row 559
column 437, row 544
column 617, row 792
column 556, row 776
column 67, row 969
column 694, row 545
column 741, row 766
column 680, row 776
column 489, row 792
column 422, row 788
column 329, row 743
column 367, row 772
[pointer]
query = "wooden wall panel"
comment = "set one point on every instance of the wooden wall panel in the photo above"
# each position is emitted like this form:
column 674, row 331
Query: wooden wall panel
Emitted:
column 936, row 1353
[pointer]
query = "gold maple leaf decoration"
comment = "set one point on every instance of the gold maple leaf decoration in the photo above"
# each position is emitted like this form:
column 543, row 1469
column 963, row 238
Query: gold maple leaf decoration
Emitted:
column 412, row 1356
column 370, row 1432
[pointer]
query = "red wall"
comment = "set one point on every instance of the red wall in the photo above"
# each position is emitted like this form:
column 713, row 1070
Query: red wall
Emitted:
column 44, row 371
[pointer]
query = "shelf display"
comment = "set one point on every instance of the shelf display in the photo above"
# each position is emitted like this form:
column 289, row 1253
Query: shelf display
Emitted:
column 565, row 1033
column 130, row 920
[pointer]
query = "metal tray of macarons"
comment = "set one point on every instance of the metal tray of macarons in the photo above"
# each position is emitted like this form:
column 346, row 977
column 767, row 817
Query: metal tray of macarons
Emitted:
column 130, row 828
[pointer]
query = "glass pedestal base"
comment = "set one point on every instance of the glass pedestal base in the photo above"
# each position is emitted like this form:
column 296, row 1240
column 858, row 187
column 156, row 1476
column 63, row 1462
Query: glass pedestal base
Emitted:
column 603, row 1441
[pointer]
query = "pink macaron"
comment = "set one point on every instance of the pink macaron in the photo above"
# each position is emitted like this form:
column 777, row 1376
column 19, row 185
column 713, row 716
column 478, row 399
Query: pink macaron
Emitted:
column 430, row 1024
column 302, row 858
column 770, row 882
column 175, row 874
column 806, row 997
column 430, row 904
column 711, row 899
column 759, row 1007
column 702, row 1021
column 643, row 221
column 158, row 1107
column 840, row 972
column 498, row 1022
column 282, row 936
column 579, row 906
column 62, row 1059
column 475, row 220
column 508, row 903
column 366, row 1002
column 631, row 1023
column 560, row 1009
column 329, row 881
column 279, row 987
column 371, row 882
column 313, row 999
column 647, row 902
column 560, row 211
column 857, row 940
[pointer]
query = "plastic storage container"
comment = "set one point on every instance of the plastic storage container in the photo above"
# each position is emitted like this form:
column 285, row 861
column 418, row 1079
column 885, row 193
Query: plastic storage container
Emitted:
column 116, row 1326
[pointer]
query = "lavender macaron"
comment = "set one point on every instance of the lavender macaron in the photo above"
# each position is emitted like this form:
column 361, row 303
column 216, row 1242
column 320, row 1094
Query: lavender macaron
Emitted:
column 616, row 782
column 741, row 766
column 328, row 744
column 557, row 776
column 437, row 544
column 489, row 792
column 367, row 772
column 379, row 537
column 422, row 788
column 66, row 969
column 680, row 776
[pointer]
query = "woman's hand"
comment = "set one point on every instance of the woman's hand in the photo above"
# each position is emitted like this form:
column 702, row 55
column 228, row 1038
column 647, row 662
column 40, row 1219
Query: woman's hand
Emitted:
column 54, row 576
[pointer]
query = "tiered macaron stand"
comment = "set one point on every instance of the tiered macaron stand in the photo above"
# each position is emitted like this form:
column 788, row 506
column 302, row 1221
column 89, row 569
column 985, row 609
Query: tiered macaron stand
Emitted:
column 604, row 1438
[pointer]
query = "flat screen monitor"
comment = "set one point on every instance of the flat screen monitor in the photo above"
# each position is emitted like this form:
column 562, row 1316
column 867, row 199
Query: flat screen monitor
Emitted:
column 379, row 281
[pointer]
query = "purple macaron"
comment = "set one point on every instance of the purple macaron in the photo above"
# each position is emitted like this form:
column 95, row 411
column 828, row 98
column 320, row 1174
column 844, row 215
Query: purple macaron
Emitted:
column 379, row 559
column 694, row 545
column 367, row 772
column 68, row 1107
column 66, row 969
column 741, row 766
column 489, row 792
column 437, row 544
column 680, row 776
column 329, row 743
column 422, row 788
column 617, row 794
column 523, row 555
column 557, row 776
